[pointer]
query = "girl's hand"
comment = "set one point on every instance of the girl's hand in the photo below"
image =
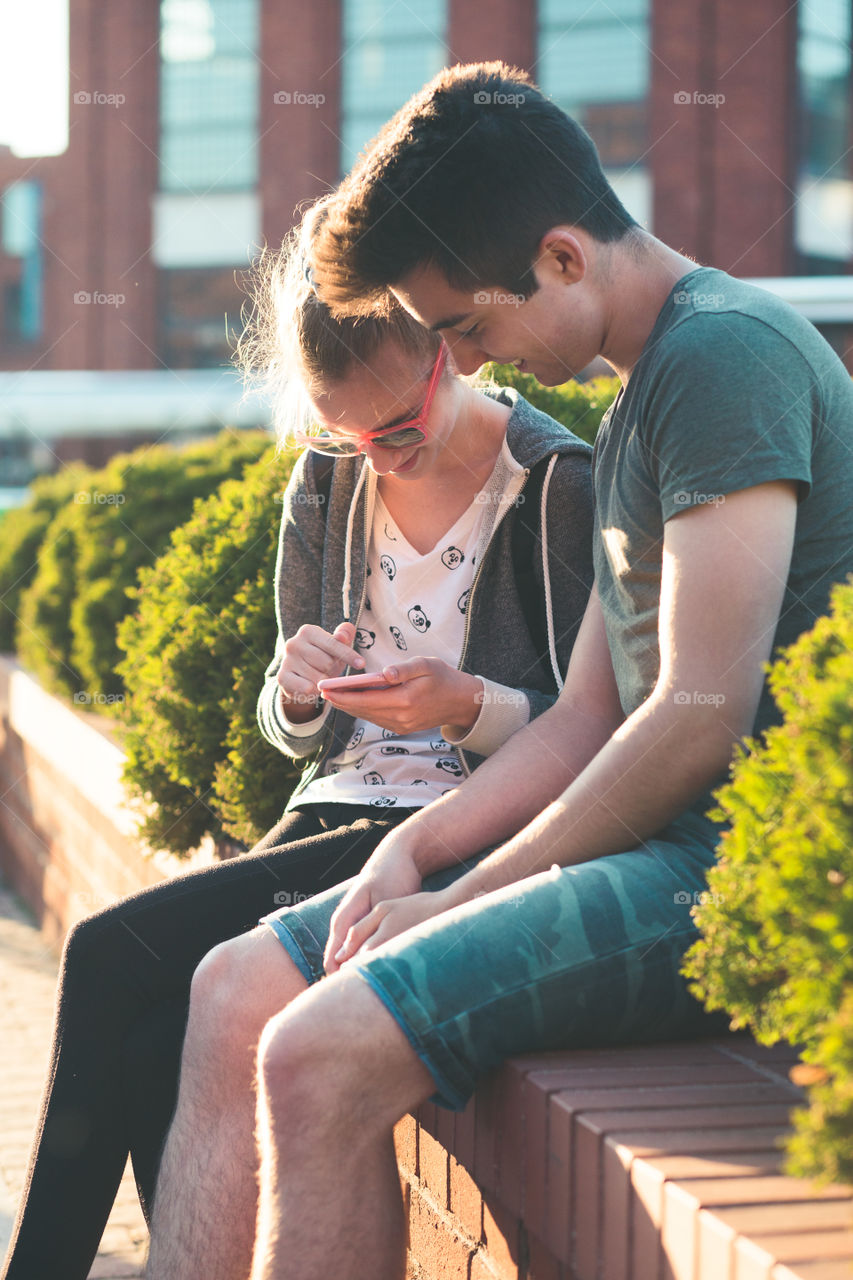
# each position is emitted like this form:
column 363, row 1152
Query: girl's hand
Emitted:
column 311, row 655
column 424, row 692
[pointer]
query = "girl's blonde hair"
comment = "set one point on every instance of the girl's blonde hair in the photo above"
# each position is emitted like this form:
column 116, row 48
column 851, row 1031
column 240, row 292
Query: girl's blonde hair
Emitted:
column 291, row 347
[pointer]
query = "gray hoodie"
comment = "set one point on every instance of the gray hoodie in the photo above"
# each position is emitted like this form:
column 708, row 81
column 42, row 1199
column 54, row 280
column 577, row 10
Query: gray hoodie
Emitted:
column 320, row 579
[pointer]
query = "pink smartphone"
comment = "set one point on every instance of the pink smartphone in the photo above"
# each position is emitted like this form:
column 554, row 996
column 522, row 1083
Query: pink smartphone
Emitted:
column 361, row 680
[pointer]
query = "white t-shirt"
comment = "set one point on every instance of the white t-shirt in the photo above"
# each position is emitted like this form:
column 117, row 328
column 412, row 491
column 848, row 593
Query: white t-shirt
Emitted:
column 415, row 607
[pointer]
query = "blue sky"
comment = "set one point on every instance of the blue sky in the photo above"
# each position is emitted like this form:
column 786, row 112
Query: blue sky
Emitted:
column 34, row 76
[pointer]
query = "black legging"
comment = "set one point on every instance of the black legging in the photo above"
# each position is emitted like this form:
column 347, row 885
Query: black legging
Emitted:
column 121, row 1013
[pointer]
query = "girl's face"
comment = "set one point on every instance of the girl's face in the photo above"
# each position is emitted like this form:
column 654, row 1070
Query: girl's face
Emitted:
column 392, row 391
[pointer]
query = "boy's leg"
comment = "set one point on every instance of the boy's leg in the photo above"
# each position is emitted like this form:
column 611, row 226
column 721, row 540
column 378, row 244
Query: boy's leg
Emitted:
column 573, row 957
column 336, row 1073
column 204, row 1215
column 236, row 988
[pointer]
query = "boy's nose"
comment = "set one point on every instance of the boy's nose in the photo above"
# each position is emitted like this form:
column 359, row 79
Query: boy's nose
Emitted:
column 467, row 355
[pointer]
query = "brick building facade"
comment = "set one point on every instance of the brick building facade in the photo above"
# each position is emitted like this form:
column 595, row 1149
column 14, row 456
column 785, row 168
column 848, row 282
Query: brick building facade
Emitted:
column 716, row 132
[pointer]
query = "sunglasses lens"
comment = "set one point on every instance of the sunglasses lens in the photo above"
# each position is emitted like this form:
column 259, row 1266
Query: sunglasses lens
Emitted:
column 400, row 439
column 326, row 444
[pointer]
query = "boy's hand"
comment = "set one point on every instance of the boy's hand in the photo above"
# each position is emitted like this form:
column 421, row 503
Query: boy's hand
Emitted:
column 390, row 873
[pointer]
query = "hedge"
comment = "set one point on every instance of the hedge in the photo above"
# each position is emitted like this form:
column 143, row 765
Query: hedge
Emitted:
column 118, row 520
column 23, row 533
column 776, row 949
column 196, row 649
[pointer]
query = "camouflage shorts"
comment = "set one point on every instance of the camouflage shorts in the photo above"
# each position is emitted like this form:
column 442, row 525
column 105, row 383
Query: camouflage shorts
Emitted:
column 574, row 957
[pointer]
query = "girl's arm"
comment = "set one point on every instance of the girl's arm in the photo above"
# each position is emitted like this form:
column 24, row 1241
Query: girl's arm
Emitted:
column 298, row 602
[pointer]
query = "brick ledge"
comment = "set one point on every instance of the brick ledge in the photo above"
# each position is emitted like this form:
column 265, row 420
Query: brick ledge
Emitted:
column 650, row 1162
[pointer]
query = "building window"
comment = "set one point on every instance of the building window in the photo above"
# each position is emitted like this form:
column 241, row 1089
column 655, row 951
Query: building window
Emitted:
column 390, row 50
column 593, row 61
column 21, row 242
column 824, row 210
column 209, row 95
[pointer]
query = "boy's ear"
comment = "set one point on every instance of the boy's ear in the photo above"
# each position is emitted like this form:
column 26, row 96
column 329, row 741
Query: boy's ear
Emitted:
column 561, row 256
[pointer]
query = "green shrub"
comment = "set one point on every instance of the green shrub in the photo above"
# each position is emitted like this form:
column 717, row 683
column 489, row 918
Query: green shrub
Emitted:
column 120, row 521
column 196, row 648
column 43, row 632
column 23, row 533
column 776, row 949
column 580, row 406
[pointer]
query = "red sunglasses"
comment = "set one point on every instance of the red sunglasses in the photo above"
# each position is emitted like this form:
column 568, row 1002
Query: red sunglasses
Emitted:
column 399, row 436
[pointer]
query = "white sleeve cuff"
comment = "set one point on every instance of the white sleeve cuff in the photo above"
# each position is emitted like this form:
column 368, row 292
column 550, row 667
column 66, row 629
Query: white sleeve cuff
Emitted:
column 307, row 728
column 503, row 712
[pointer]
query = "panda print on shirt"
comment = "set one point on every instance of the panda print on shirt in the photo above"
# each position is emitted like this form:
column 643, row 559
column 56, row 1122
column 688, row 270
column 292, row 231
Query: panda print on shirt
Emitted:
column 413, row 606
column 418, row 619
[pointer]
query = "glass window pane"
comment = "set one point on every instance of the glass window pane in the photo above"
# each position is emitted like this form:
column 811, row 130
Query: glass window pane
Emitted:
column 594, row 61
column 389, row 51
column 20, row 237
column 208, row 94
column 824, row 210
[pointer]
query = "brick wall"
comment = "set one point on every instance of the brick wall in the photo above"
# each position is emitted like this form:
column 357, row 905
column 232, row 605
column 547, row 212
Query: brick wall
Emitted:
column 724, row 175
column 649, row 1162
column 67, row 836
column 505, row 29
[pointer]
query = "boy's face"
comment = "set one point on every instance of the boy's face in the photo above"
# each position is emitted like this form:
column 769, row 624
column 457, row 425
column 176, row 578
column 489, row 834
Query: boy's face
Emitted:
column 553, row 334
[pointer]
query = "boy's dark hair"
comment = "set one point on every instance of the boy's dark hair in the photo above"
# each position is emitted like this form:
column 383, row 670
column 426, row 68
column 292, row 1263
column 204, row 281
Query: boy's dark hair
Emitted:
column 467, row 177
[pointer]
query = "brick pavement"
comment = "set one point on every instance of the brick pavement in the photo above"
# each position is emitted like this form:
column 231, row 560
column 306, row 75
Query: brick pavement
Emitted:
column 27, row 984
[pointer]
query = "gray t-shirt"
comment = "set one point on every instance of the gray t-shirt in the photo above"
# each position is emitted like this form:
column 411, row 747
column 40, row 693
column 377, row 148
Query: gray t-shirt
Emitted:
column 733, row 388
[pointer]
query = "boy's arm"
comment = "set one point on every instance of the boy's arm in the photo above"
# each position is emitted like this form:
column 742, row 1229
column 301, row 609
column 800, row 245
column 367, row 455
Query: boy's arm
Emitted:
column 531, row 768
column 507, row 791
column 724, row 572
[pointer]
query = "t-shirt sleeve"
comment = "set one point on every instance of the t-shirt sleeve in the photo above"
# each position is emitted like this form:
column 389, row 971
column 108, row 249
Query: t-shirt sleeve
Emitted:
column 731, row 406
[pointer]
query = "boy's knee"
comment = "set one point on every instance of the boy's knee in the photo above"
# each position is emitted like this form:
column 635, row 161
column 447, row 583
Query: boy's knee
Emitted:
column 302, row 1043
column 329, row 1055
column 291, row 1060
column 224, row 972
column 240, row 984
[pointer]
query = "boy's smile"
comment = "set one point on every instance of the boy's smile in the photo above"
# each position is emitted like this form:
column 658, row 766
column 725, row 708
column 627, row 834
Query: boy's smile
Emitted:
column 553, row 334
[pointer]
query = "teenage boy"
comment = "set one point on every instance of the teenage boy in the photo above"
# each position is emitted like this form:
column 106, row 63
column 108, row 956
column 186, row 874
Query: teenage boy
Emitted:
column 724, row 512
